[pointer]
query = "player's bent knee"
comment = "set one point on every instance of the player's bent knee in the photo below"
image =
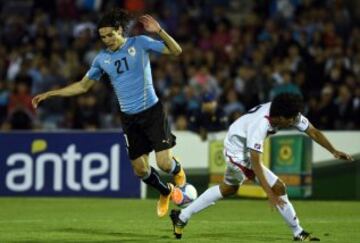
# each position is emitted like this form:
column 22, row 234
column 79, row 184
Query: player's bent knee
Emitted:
column 228, row 190
column 279, row 188
column 141, row 166
column 141, row 171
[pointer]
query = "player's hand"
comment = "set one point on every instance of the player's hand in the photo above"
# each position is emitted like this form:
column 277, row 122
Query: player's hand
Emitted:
column 37, row 99
column 150, row 24
column 275, row 201
column 342, row 155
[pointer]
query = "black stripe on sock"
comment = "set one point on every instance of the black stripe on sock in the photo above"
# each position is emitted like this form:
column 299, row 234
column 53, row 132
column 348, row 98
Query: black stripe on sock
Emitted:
column 155, row 181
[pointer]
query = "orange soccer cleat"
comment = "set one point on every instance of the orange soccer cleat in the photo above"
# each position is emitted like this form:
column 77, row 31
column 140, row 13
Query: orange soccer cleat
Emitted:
column 163, row 203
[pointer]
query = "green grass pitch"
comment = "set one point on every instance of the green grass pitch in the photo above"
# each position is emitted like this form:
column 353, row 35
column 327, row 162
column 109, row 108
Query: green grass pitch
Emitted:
column 119, row 220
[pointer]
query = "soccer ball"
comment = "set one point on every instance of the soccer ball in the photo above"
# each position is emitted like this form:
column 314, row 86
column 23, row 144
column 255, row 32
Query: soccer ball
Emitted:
column 183, row 196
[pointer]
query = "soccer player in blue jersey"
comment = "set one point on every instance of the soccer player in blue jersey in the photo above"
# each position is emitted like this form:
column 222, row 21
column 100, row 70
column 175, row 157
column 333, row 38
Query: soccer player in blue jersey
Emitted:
column 126, row 62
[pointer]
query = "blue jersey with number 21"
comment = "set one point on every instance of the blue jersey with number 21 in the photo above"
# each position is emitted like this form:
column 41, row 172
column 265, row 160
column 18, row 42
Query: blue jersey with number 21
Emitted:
column 130, row 73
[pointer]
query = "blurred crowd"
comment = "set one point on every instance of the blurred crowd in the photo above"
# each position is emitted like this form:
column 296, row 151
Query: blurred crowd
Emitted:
column 236, row 54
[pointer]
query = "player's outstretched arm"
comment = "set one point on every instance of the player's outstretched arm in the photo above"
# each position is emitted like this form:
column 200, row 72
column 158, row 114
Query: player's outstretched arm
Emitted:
column 73, row 89
column 257, row 168
column 152, row 26
column 320, row 138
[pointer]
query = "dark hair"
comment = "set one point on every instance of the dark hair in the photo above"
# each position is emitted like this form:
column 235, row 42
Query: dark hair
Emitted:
column 115, row 18
column 287, row 105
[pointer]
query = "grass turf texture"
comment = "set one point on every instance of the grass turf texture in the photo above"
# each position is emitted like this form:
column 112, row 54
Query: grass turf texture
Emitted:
column 117, row 220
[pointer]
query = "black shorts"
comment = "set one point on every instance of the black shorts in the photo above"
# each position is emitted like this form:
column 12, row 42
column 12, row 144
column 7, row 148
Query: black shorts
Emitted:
column 147, row 131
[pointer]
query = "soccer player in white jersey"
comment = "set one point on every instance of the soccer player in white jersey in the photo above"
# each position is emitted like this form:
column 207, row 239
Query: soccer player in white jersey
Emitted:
column 126, row 62
column 242, row 148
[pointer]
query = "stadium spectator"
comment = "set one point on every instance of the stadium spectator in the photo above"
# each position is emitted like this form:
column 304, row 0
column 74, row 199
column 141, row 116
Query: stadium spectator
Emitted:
column 209, row 118
column 87, row 113
column 356, row 105
column 287, row 85
column 20, row 98
column 320, row 39
column 327, row 111
column 4, row 101
column 20, row 110
column 203, row 81
column 233, row 108
column 346, row 112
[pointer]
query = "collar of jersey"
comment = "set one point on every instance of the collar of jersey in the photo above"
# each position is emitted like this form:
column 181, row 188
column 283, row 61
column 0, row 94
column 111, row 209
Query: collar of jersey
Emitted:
column 269, row 120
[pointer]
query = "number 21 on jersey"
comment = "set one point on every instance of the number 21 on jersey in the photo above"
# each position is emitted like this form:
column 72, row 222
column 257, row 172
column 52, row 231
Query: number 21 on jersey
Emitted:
column 121, row 65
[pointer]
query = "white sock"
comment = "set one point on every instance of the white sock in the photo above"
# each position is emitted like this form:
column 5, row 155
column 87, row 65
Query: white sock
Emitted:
column 289, row 214
column 209, row 197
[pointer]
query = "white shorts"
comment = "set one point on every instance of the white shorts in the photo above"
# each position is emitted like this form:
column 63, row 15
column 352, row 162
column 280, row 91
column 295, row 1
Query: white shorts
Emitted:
column 235, row 174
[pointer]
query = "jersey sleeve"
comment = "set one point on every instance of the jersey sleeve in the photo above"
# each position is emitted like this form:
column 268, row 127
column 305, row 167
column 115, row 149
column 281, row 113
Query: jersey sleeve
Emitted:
column 149, row 44
column 95, row 72
column 302, row 123
column 256, row 134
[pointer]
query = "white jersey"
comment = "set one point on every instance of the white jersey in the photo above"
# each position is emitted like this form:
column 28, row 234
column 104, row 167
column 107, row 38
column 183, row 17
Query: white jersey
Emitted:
column 249, row 132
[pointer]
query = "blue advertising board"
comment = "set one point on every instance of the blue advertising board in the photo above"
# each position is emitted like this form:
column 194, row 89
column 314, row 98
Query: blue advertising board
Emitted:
column 66, row 164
